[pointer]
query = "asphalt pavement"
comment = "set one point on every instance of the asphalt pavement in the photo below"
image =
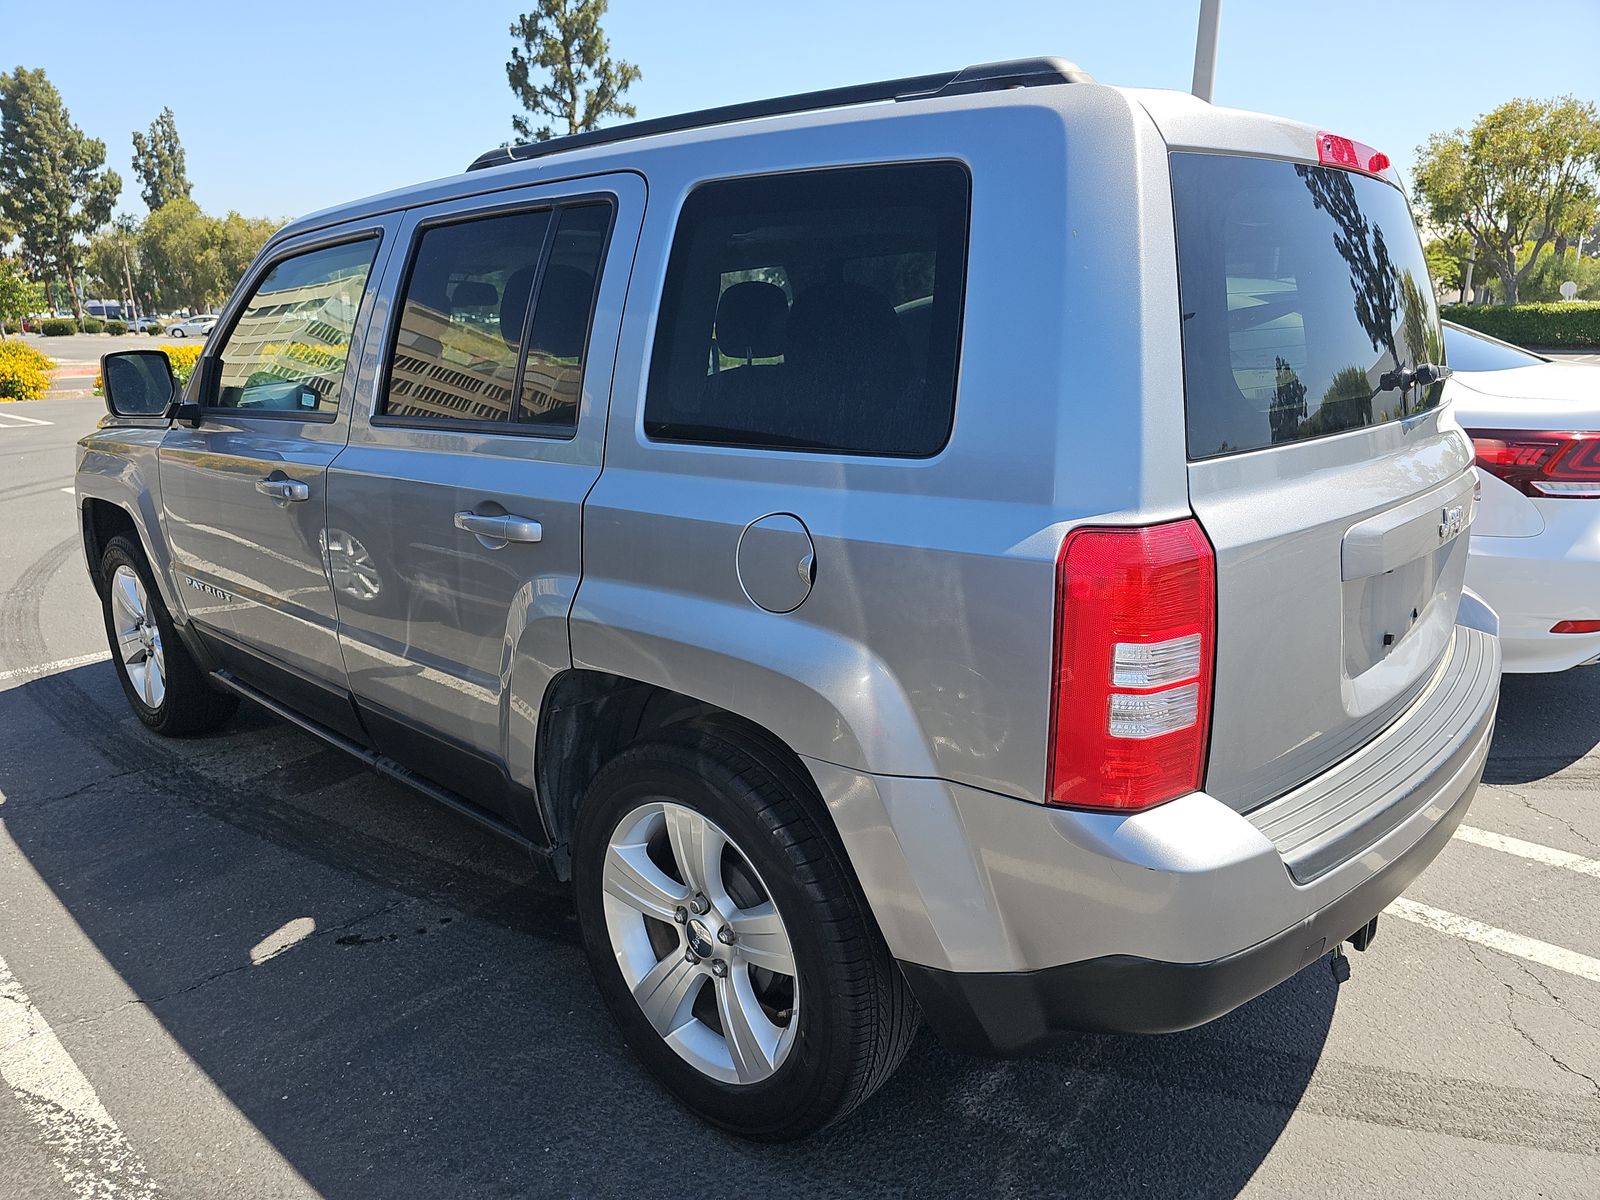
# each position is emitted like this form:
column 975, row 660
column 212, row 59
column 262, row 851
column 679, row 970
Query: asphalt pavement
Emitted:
column 241, row 965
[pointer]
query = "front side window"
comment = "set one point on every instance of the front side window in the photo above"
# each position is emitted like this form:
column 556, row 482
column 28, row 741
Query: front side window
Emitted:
column 816, row 310
column 287, row 351
column 1305, row 302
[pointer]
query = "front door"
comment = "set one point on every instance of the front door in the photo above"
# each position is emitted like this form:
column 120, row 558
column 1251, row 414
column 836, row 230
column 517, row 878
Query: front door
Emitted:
column 243, row 492
column 454, row 518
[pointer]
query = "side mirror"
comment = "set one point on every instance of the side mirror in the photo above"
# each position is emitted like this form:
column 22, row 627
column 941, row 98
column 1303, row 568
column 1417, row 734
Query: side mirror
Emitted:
column 138, row 383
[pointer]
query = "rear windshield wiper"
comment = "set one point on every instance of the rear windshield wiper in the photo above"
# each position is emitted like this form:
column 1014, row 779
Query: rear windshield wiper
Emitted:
column 1421, row 375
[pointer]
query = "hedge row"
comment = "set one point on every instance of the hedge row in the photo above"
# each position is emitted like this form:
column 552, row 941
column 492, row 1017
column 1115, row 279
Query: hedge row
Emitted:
column 1575, row 325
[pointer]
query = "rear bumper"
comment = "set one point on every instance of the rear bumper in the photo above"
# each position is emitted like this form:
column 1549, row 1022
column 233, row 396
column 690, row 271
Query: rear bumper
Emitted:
column 1015, row 923
column 1011, row 1013
column 1534, row 582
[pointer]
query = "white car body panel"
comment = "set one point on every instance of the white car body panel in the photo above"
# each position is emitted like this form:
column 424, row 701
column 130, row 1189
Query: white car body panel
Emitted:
column 1535, row 561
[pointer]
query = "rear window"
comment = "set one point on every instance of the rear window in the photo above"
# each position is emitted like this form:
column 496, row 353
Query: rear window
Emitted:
column 1469, row 351
column 1304, row 292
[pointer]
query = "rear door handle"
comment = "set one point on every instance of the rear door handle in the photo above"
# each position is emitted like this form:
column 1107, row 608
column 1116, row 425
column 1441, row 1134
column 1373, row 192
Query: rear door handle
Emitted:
column 505, row 527
column 283, row 489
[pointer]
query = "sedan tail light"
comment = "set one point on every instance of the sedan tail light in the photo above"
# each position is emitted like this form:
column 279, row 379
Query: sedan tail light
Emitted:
column 1541, row 463
column 1134, row 644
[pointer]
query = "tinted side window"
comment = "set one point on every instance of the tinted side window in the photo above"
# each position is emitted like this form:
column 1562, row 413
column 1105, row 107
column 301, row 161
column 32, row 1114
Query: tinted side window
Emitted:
column 818, row 310
column 552, row 379
column 462, row 319
column 287, row 351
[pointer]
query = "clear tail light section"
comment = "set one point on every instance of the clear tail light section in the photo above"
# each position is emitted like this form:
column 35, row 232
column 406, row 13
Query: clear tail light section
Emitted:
column 1561, row 464
column 1134, row 645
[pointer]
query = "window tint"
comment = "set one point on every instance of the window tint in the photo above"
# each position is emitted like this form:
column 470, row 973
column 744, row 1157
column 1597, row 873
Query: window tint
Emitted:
column 287, row 351
column 1303, row 292
column 1469, row 351
column 552, row 380
column 816, row 310
column 461, row 321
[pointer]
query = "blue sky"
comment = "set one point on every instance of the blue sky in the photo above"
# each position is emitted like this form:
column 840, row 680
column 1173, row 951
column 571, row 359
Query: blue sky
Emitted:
column 287, row 107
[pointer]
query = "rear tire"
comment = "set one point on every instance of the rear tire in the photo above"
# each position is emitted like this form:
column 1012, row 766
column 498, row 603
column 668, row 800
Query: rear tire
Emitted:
column 849, row 1017
column 165, row 686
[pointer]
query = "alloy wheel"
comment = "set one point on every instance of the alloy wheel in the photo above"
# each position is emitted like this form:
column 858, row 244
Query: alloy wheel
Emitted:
column 700, row 943
column 138, row 637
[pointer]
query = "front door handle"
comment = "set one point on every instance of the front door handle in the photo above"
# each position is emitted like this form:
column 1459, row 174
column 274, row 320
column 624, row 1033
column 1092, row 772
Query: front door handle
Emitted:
column 504, row 527
column 283, row 489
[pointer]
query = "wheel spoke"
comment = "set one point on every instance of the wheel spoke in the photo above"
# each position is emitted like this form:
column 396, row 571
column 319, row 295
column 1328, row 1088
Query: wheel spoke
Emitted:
column 667, row 993
column 751, row 1037
column 632, row 878
column 761, row 940
column 129, row 644
column 158, row 672
column 128, row 594
column 147, row 685
column 697, row 847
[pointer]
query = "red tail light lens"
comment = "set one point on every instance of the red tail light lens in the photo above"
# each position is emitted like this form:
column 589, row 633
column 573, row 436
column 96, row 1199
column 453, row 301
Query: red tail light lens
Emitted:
column 1336, row 151
column 1541, row 464
column 1135, row 642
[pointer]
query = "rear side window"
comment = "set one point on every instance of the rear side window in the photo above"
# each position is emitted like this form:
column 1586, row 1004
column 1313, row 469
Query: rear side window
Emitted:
column 1304, row 293
column 494, row 320
column 816, row 310
column 463, row 317
column 286, row 353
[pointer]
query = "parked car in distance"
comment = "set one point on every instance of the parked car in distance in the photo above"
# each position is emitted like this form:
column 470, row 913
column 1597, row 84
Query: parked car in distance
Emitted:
column 873, row 596
column 193, row 326
column 144, row 325
column 1535, row 426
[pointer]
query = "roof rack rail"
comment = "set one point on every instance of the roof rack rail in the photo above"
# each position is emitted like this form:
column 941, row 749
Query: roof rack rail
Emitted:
column 986, row 77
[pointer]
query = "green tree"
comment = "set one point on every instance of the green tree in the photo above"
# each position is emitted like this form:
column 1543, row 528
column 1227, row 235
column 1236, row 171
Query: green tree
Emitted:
column 18, row 296
column 1525, row 173
column 1444, row 263
column 54, row 186
column 111, row 261
column 192, row 260
column 563, row 69
column 159, row 161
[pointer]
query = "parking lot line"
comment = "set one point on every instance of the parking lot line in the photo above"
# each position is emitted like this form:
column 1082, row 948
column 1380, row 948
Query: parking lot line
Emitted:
column 88, row 1148
column 50, row 668
column 11, row 416
column 1530, row 850
column 71, row 491
column 1502, row 940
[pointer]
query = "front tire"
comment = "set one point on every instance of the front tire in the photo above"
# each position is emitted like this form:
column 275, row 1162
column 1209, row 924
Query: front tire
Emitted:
column 176, row 333
column 164, row 685
column 729, row 939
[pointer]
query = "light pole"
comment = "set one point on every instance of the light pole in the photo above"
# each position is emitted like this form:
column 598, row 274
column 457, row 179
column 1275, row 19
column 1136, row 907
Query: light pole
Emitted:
column 1205, row 48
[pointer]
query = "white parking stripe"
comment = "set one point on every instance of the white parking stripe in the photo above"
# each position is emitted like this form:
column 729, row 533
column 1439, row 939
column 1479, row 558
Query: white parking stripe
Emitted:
column 1502, row 940
column 1530, row 850
column 90, row 1151
column 71, row 491
column 11, row 416
column 50, row 668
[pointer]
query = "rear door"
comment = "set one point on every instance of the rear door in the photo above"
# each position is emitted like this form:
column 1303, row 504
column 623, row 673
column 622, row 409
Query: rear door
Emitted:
column 455, row 514
column 1336, row 493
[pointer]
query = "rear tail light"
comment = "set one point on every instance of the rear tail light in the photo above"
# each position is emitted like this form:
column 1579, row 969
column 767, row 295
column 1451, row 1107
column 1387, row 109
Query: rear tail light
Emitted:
column 1541, row 464
column 1576, row 627
column 1336, row 151
column 1135, row 639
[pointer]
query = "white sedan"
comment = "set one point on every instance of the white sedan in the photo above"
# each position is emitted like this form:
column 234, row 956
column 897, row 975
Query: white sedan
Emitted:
column 193, row 327
column 1535, row 557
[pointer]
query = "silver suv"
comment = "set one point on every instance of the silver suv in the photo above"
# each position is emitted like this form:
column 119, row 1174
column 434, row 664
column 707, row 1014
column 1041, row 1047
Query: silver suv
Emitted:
column 985, row 546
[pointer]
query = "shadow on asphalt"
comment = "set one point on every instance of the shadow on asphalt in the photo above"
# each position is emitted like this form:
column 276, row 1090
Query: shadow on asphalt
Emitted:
column 1558, row 714
column 439, row 1035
